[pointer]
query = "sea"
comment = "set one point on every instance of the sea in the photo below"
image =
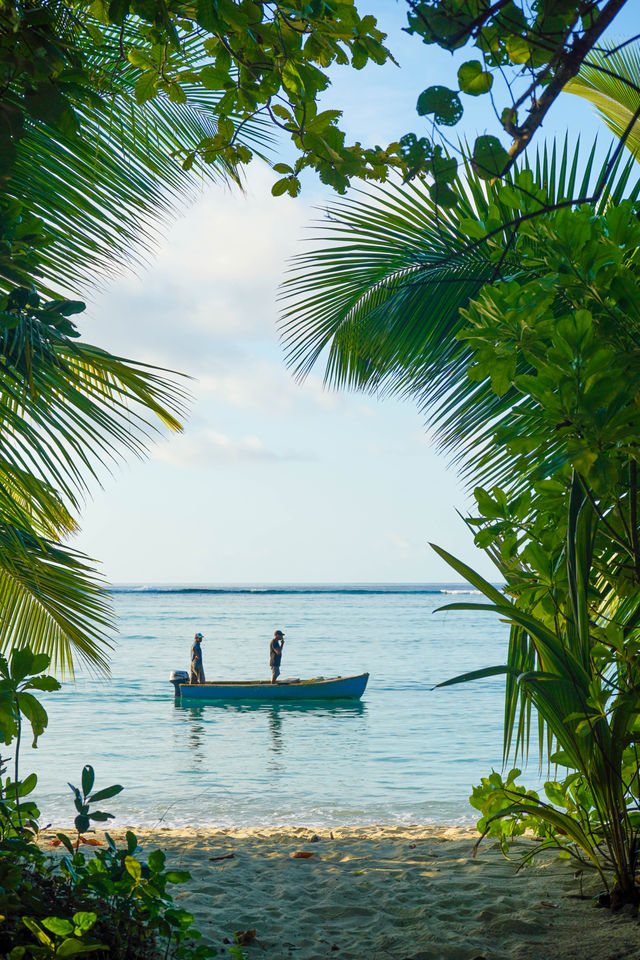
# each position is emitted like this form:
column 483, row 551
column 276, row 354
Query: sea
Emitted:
column 405, row 754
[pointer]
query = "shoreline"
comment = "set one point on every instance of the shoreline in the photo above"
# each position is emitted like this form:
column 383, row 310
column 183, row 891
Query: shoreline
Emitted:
column 384, row 892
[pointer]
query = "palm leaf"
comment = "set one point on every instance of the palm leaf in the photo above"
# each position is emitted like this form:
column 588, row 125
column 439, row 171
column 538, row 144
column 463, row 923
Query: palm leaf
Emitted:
column 380, row 305
column 610, row 80
column 104, row 194
column 69, row 409
column 51, row 598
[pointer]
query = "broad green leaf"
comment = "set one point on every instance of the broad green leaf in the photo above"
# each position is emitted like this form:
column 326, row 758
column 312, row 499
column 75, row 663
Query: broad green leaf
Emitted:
column 58, row 925
column 146, row 86
column 473, row 79
column 518, row 49
column 106, row 794
column 157, row 861
column 489, row 157
column 443, row 103
column 84, row 919
column 88, row 778
column 133, row 868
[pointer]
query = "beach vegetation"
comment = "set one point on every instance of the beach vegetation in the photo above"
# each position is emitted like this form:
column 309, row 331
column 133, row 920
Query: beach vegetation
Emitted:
column 512, row 317
column 111, row 112
column 562, row 529
column 115, row 903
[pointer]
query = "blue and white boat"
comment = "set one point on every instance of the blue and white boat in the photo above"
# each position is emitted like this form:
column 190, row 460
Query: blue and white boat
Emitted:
column 318, row 688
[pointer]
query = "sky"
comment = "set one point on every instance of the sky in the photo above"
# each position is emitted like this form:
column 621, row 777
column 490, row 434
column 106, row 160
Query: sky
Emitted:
column 274, row 481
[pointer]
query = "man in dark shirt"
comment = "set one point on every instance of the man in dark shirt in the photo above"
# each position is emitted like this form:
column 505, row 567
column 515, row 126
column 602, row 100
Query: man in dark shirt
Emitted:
column 275, row 654
column 197, row 670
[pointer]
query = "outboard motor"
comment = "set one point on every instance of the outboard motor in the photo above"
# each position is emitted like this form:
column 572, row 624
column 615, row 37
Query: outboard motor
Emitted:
column 177, row 677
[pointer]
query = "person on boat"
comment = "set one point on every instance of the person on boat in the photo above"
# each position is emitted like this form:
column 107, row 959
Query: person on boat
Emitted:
column 197, row 670
column 275, row 654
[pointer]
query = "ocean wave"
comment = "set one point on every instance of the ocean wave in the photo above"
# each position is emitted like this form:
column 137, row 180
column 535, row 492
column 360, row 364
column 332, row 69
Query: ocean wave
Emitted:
column 295, row 590
column 466, row 593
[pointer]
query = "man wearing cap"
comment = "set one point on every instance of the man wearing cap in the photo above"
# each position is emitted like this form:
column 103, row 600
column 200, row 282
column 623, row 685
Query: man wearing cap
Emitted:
column 275, row 654
column 197, row 671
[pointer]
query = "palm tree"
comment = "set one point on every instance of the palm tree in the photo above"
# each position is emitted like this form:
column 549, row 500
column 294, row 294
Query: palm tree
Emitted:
column 610, row 80
column 79, row 199
column 99, row 186
column 380, row 305
column 67, row 409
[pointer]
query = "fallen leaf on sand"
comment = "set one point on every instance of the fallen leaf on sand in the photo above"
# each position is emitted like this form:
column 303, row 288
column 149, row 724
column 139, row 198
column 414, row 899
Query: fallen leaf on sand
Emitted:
column 91, row 842
column 301, row 855
column 225, row 856
column 55, row 843
column 547, row 903
column 243, row 937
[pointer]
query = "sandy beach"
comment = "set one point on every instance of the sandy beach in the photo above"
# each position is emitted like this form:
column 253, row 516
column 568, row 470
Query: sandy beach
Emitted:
column 386, row 893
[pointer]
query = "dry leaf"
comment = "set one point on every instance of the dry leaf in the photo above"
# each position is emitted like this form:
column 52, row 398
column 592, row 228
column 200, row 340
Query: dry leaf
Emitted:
column 301, row 855
column 225, row 856
column 90, row 842
column 243, row 937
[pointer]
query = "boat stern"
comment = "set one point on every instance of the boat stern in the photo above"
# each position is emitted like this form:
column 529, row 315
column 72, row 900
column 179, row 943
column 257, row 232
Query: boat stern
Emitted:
column 177, row 677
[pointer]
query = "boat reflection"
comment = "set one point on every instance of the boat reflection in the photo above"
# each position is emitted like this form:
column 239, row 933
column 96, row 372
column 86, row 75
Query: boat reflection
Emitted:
column 277, row 715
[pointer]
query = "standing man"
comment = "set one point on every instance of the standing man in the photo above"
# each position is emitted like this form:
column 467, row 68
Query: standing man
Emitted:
column 275, row 654
column 197, row 670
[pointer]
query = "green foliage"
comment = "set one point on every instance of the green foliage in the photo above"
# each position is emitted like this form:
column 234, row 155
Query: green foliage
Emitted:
column 379, row 300
column 66, row 408
column 116, row 904
column 573, row 659
column 210, row 77
column 566, row 330
column 610, row 80
column 535, row 48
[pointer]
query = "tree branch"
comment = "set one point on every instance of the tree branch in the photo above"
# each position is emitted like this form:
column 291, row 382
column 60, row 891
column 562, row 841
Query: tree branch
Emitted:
column 568, row 67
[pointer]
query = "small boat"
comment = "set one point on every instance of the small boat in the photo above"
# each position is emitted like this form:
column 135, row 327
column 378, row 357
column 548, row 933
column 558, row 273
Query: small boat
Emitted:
column 318, row 688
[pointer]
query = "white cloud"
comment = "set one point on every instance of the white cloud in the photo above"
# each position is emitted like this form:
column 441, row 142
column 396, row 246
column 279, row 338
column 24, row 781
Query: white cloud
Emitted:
column 207, row 447
column 267, row 388
column 213, row 281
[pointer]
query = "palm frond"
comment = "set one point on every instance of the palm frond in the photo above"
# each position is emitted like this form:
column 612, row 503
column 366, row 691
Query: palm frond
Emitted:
column 610, row 80
column 69, row 409
column 104, row 193
column 380, row 305
column 51, row 598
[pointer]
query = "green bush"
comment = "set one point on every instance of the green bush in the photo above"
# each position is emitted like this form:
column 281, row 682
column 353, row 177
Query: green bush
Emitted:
column 113, row 903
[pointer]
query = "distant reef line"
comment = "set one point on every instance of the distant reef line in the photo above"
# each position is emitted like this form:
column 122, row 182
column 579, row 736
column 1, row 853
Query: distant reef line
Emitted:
column 290, row 590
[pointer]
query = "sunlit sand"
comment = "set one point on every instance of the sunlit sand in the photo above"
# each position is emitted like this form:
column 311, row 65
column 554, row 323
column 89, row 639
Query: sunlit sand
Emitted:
column 387, row 893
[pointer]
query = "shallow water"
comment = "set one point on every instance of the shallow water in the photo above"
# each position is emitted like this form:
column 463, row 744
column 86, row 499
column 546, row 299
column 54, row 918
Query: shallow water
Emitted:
column 404, row 754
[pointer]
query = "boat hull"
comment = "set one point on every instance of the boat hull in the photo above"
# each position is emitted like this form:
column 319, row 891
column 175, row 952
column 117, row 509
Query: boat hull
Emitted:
column 335, row 688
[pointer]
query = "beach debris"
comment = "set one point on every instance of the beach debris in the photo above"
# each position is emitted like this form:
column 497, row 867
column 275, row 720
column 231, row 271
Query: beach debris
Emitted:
column 224, row 856
column 243, row 937
column 302, row 855
column 547, row 903
column 89, row 841
column 411, row 846
column 314, row 839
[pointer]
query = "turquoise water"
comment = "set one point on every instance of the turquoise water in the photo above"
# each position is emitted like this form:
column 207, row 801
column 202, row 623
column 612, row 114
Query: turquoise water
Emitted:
column 404, row 754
